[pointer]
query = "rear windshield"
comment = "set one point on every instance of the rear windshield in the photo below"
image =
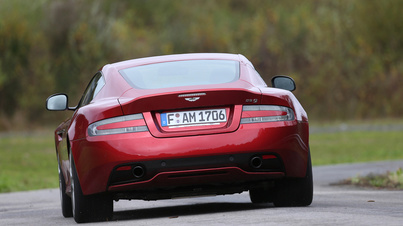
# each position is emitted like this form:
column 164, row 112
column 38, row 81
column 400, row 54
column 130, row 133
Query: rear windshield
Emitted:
column 181, row 73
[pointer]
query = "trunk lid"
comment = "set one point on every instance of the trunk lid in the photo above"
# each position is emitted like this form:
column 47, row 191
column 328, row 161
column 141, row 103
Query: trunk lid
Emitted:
column 188, row 112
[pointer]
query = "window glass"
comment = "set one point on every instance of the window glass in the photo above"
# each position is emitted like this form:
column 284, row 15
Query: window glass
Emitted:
column 99, row 86
column 181, row 73
column 93, row 89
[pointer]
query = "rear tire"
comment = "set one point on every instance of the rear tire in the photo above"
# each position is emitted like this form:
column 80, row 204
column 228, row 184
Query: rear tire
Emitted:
column 88, row 208
column 65, row 200
column 295, row 191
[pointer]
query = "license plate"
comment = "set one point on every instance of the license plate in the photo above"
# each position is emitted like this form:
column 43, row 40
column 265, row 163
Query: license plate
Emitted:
column 194, row 118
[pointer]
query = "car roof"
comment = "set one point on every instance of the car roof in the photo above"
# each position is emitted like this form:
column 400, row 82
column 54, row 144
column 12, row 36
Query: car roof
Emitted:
column 179, row 57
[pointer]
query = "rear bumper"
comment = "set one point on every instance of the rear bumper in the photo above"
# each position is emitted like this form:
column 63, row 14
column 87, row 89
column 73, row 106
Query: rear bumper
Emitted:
column 172, row 173
column 170, row 163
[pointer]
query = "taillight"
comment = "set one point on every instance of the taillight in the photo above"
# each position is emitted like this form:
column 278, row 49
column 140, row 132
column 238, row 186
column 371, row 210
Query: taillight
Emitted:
column 266, row 113
column 118, row 125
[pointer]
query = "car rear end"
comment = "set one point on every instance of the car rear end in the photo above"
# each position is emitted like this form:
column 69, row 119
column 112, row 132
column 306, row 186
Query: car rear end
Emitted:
column 140, row 161
column 223, row 136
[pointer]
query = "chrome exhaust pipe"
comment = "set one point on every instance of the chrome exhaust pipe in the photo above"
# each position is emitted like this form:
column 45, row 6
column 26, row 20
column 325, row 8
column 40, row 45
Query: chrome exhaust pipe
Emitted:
column 256, row 162
column 138, row 171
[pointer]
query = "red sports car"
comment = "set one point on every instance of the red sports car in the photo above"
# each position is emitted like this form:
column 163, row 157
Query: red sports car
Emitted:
column 181, row 125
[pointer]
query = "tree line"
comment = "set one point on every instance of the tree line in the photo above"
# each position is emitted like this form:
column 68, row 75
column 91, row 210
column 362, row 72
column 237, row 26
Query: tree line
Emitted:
column 345, row 55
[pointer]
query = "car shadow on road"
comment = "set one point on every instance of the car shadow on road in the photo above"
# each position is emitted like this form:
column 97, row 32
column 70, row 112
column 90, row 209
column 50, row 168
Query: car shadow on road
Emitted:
column 186, row 210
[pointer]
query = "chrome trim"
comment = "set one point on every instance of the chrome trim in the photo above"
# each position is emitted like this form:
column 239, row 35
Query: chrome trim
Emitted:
column 192, row 95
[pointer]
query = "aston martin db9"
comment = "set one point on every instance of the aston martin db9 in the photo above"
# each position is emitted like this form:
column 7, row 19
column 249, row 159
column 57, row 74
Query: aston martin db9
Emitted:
column 178, row 126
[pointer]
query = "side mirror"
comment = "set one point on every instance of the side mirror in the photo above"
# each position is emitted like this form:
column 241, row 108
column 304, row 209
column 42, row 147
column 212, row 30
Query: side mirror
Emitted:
column 57, row 102
column 283, row 82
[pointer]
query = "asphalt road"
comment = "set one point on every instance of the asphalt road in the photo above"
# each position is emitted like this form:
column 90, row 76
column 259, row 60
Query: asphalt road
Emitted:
column 332, row 205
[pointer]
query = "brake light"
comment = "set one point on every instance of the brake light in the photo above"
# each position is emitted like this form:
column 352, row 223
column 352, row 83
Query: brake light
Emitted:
column 118, row 125
column 266, row 113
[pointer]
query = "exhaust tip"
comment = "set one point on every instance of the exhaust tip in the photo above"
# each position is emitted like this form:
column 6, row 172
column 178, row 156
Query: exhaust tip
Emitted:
column 138, row 171
column 256, row 162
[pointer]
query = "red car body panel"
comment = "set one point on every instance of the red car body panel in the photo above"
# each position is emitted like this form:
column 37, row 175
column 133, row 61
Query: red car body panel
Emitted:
column 98, row 157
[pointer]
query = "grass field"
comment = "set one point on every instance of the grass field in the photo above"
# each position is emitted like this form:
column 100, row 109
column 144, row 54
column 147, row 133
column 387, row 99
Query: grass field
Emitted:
column 28, row 160
column 357, row 146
